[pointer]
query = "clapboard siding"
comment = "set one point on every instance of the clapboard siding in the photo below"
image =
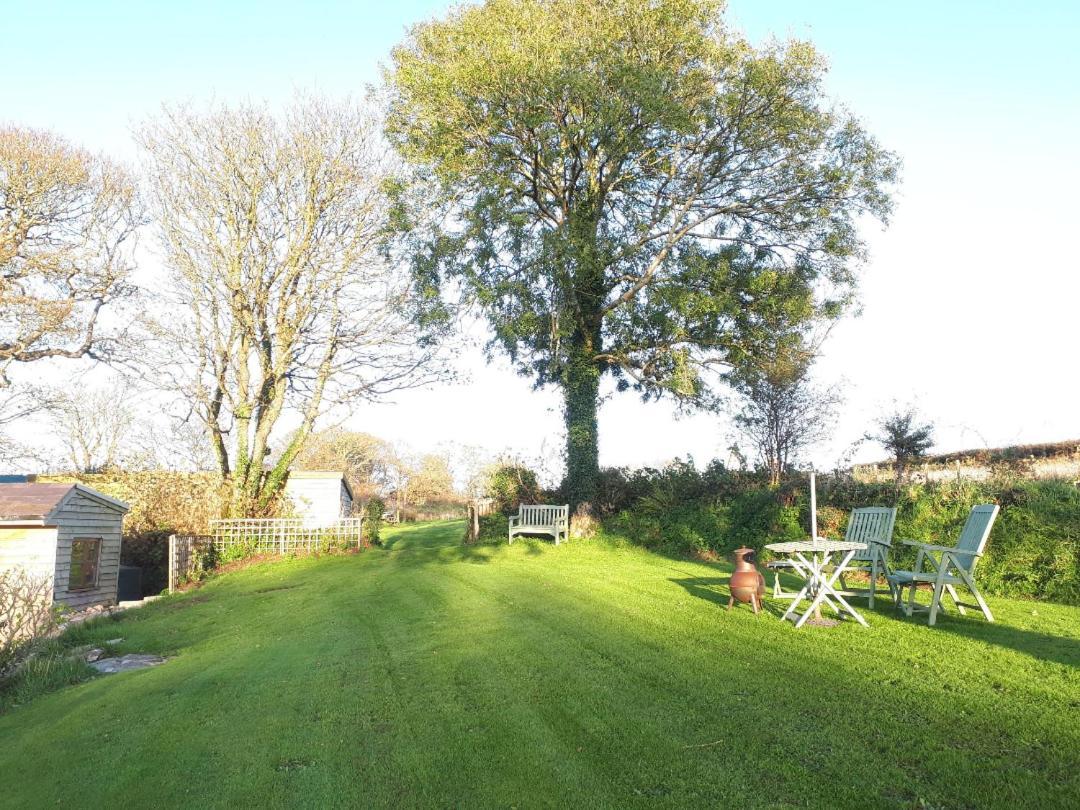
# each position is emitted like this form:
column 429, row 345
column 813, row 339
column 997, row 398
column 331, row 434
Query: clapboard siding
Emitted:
column 83, row 516
column 32, row 548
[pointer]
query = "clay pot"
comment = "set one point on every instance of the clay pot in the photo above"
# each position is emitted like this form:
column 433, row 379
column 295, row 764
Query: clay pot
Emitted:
column 747, row 583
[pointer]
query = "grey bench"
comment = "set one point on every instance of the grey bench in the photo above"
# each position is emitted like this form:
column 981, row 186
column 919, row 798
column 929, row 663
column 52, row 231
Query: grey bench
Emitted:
column 540, row 519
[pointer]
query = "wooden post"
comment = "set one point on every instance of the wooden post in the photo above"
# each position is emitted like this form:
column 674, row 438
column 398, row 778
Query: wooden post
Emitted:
column 172, row 562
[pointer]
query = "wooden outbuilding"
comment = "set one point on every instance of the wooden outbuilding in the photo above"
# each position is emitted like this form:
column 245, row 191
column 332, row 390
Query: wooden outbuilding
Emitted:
column 67, row 531
column 319, row 497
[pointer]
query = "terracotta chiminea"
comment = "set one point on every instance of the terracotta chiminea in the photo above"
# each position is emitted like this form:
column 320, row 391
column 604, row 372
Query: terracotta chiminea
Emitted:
column 747, row 583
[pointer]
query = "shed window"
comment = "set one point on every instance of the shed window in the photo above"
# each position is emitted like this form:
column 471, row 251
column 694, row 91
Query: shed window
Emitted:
column 85, row 554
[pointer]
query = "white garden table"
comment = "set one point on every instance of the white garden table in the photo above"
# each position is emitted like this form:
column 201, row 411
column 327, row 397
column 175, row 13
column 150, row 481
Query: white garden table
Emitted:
column 809, row 559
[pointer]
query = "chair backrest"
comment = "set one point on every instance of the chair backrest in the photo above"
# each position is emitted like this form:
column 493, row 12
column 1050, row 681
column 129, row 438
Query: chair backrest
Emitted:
column 871, row 524
column 974, row 535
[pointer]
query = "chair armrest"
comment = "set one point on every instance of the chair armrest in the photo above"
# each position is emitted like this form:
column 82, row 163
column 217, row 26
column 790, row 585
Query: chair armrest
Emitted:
column 929, row 547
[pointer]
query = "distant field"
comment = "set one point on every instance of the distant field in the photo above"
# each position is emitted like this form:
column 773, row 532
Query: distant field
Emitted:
column 590, row 675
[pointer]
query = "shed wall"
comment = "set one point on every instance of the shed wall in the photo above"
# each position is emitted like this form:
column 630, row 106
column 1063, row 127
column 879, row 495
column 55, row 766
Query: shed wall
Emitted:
column 320, row 501
column 85, row 517
column 32, row 548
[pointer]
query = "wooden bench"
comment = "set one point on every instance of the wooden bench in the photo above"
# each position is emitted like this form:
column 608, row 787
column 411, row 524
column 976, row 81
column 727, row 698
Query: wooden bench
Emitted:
column 540, row 519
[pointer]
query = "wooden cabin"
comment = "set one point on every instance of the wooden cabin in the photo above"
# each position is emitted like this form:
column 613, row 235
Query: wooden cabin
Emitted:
column 319, row 497
column 67, row 531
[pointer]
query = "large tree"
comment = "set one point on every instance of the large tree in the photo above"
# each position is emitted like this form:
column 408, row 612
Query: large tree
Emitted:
column 624, row 185
column 67, row 222
column 272, row 229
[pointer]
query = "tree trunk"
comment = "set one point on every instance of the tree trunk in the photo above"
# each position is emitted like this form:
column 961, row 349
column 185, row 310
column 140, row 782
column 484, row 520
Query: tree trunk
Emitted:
column 581, row 392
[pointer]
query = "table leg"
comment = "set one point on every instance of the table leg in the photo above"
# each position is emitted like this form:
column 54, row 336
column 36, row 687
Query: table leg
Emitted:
column 831, row 581
column 815, row 587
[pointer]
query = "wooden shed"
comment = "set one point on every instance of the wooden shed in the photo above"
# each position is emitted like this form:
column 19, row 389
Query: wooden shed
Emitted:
column 67, row 531
column 320, row 497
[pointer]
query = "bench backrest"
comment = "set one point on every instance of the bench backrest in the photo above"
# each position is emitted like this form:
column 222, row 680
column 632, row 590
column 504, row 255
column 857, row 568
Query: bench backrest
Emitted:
column 543, row 515
column 974, row 535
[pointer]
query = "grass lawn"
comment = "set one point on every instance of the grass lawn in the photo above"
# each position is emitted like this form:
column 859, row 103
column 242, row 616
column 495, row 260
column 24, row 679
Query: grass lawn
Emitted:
column 593, row 674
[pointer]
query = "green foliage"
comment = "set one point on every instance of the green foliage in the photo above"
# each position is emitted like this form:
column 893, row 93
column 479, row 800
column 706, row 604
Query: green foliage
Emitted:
column 611, row 180
column 511, row 485
column 373, row 519
column 45, row 671
column 492, row 529
column 1034, row 548
column 205, row 558
column 904, row 439
column 235, row 551
column 55, row 662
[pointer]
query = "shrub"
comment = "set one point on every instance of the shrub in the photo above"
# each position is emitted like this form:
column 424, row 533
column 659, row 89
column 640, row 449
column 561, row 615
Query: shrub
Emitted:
column 492, row 529
column 204, row 559
column 511, row 485
column 373, row 516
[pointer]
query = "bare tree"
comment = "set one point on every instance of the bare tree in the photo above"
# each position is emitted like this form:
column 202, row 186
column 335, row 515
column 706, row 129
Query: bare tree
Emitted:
column 67, row 225
column 19, row 405
column 366, row 460
column 95, row 426
column 272, row 229
column 431, row 479
column 783, row 411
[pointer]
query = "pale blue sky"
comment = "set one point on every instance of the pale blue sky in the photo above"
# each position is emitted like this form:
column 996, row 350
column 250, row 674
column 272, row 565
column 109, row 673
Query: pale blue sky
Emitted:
column 970, row 298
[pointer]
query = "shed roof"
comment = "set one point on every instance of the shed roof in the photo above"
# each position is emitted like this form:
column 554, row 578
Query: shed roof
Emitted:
column 43, row 501
column 325, row 474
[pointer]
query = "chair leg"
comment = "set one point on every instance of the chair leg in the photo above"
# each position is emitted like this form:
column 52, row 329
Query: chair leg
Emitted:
column 956, row 599
column 935, row 604
column 982, row 604
column 911, row 599
column 873, row 581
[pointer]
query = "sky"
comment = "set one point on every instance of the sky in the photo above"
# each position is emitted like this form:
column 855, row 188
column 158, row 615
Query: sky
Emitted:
column 968, row 303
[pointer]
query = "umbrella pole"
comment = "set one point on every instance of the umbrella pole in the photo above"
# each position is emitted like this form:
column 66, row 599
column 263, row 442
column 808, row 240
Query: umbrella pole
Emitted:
column 813, row 530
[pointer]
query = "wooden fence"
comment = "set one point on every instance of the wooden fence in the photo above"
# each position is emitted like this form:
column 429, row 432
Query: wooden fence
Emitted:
column 474, row 510
column 284, row 535
column 183, row 550
column 258, row 536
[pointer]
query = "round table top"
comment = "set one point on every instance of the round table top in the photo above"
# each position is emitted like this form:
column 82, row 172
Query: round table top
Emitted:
column 817, row 545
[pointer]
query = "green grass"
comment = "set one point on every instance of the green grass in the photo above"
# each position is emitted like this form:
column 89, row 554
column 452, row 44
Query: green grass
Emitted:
column 595, row 674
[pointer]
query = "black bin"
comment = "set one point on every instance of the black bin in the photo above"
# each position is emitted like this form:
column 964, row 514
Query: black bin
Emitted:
column 129, row 586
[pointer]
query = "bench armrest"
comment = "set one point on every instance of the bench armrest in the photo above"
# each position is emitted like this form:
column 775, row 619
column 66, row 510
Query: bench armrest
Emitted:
column 514, row 519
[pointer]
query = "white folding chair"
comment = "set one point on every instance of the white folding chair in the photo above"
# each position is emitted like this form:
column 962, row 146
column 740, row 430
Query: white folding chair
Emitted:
column 953, row 566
